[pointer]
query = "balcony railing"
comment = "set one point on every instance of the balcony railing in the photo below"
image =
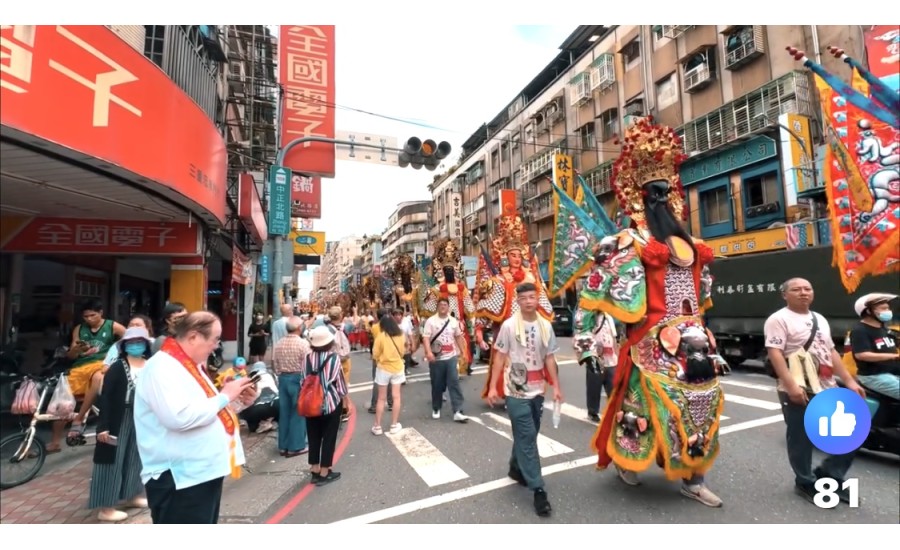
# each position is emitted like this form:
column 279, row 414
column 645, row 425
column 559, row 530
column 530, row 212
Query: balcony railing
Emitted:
column 749, row 114
column 750, row 45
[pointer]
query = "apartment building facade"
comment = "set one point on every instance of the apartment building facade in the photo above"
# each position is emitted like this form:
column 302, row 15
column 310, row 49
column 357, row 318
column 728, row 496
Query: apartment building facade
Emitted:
column 371, row 254
column 730, row 91
column 337, row 264
column 407, row 230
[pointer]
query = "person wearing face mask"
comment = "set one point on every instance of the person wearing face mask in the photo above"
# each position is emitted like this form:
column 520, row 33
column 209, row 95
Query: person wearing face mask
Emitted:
column 875, row 346
column 117, row 465
column 259, row 338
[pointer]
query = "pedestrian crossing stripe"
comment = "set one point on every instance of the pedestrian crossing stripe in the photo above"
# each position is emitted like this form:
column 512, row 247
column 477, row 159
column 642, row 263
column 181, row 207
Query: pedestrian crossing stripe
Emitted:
column 427, row 460
column 436, row 469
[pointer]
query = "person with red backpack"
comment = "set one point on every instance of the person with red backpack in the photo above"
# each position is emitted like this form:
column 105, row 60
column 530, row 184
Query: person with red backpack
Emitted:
column 322, row 390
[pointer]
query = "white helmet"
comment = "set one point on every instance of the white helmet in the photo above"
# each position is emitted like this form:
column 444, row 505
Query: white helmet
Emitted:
column 870, row 299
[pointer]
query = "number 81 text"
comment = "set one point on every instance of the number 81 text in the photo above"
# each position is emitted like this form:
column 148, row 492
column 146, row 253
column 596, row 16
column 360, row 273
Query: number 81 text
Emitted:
column 827, row 495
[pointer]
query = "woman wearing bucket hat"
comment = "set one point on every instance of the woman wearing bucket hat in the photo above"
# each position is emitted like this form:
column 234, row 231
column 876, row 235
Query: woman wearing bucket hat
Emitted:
column 117, row 464
column 875, row 346
column 322, row 430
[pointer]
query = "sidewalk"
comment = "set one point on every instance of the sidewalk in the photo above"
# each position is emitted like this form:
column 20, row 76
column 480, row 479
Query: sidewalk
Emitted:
column 59, row 494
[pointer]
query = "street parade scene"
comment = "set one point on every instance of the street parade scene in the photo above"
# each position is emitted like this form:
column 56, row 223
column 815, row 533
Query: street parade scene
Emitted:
column 662, row 286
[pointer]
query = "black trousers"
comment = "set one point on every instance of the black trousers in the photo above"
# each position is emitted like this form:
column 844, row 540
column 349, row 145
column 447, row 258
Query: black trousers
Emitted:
column 322, row 432
column 597, row 382
column 193, row 505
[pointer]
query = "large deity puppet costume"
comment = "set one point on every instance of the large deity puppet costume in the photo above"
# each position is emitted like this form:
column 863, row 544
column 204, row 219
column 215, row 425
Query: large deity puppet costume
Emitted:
column 403, row 270
column 448, row 282
column 666, row 402
column 513, row 264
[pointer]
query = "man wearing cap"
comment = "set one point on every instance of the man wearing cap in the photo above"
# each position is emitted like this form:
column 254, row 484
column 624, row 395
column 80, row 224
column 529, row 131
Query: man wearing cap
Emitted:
column 875, row 346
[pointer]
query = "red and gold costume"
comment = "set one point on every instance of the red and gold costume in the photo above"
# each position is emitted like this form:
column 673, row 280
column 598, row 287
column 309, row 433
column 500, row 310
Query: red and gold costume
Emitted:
column 446, row 255
column 515, row 264
column 666, row 402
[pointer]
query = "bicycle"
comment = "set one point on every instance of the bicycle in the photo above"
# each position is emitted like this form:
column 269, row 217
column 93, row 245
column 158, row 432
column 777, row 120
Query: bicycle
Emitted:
column 29, row 449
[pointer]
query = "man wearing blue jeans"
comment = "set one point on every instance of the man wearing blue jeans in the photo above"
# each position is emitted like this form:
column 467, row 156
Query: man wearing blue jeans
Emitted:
column 288, row 361
column 522, row 365
column 443, row 341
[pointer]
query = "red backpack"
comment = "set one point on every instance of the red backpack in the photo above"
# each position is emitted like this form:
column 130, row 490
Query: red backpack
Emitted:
column 311, row 403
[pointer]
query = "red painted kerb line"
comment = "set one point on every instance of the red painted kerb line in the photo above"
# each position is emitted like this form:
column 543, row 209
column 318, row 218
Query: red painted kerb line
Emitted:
column 279, row 516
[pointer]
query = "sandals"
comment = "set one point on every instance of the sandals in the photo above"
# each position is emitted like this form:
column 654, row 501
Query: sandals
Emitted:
column 78, row 438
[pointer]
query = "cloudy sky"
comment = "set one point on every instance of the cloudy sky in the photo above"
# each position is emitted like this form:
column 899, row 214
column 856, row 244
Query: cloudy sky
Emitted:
column 434, row 76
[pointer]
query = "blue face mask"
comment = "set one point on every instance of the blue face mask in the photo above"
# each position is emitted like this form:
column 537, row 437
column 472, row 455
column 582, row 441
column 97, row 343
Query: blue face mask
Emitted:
column 885, row 316
column 135, row 349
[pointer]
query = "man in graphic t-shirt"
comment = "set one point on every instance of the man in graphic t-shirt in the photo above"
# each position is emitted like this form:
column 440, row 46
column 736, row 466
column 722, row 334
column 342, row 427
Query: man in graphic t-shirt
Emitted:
column 444, row 331
column 875, row 346
column 525, row 348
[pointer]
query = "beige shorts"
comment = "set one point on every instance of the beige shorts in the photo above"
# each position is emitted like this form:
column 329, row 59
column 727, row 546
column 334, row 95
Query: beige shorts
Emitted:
column 383, row 377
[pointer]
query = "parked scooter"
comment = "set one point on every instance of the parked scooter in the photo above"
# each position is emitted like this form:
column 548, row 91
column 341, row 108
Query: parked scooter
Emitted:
column 216, row 359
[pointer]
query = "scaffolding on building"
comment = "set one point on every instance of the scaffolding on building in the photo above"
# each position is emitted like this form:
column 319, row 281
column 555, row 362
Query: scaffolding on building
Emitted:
column 251, row 104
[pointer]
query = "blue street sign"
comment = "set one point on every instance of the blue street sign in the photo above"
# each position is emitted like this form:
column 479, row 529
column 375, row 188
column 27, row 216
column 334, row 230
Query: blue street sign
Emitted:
column 279, row 201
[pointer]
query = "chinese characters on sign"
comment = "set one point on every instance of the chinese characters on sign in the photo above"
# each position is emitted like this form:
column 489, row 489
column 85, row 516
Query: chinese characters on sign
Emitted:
column 306, row 196
column 564, row 174
column 306, row 73
column 84, row 88
column 105, row 237
column 456, row 228
column 729, row 160
column 17, row 55
column 279, row 222
column 748, row 288
column 765, row 240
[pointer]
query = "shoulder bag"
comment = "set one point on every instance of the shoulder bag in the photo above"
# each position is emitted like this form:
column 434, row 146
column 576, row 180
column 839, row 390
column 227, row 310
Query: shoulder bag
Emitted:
column 435, row 345
column 770, row 369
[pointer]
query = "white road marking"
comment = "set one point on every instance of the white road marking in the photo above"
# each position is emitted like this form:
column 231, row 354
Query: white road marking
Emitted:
column 427, row 460
column 546, row 446
column 453, row 496
column 751, row 402
column 751, row 424
column 421, row 377
column 501, row 433
column 572, row 411
column 747, row 385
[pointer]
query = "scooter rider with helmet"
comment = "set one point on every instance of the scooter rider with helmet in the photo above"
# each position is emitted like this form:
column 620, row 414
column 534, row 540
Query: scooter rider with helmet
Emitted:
column 875, row 346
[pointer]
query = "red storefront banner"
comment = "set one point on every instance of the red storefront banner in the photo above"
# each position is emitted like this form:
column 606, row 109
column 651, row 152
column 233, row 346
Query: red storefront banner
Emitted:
column 80, row 236
column 306, row 73
column 250, row 210
column 883, row 50
column 241, row 268
column 306, row 196
column 84, row 88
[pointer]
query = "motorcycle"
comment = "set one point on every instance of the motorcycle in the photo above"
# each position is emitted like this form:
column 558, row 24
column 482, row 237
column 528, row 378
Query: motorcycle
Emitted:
column 216, row 359
column 884, row 434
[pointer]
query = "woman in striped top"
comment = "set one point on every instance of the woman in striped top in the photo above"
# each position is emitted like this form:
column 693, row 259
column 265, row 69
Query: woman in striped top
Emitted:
column 322, row 430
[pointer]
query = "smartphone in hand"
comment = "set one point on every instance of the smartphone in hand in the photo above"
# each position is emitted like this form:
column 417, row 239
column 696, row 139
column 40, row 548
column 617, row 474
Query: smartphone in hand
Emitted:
column 112, row 440
column 255, row 377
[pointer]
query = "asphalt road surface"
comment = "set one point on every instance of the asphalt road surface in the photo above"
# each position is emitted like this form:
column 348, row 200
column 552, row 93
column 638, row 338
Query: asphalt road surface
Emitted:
column 439, row 471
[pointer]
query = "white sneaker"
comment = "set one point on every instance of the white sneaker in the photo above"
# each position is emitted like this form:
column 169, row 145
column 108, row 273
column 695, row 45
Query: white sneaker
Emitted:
column 458, row 416
column 436, row 415
column 395, row 428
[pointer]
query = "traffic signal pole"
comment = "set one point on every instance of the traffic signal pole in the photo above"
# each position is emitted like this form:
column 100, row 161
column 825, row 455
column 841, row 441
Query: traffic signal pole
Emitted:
column 277, row 274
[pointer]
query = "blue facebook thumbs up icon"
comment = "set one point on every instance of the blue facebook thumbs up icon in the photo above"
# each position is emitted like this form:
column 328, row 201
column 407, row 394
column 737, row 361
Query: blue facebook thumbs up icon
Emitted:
column 837, row 421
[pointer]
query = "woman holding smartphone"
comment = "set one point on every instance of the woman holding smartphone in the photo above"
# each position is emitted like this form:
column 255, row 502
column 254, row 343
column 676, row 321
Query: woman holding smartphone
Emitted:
column 117, row 464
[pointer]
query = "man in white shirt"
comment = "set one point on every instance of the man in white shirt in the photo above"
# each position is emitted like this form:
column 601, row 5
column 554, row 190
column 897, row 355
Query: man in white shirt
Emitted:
column 443, row 341
column 188, row 438
column 279, row 327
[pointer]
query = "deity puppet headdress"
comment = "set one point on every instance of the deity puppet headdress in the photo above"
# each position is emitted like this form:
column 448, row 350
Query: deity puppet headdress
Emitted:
column 403, row 269
column 650, row 152
column 446, row 253
column 511, row 235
